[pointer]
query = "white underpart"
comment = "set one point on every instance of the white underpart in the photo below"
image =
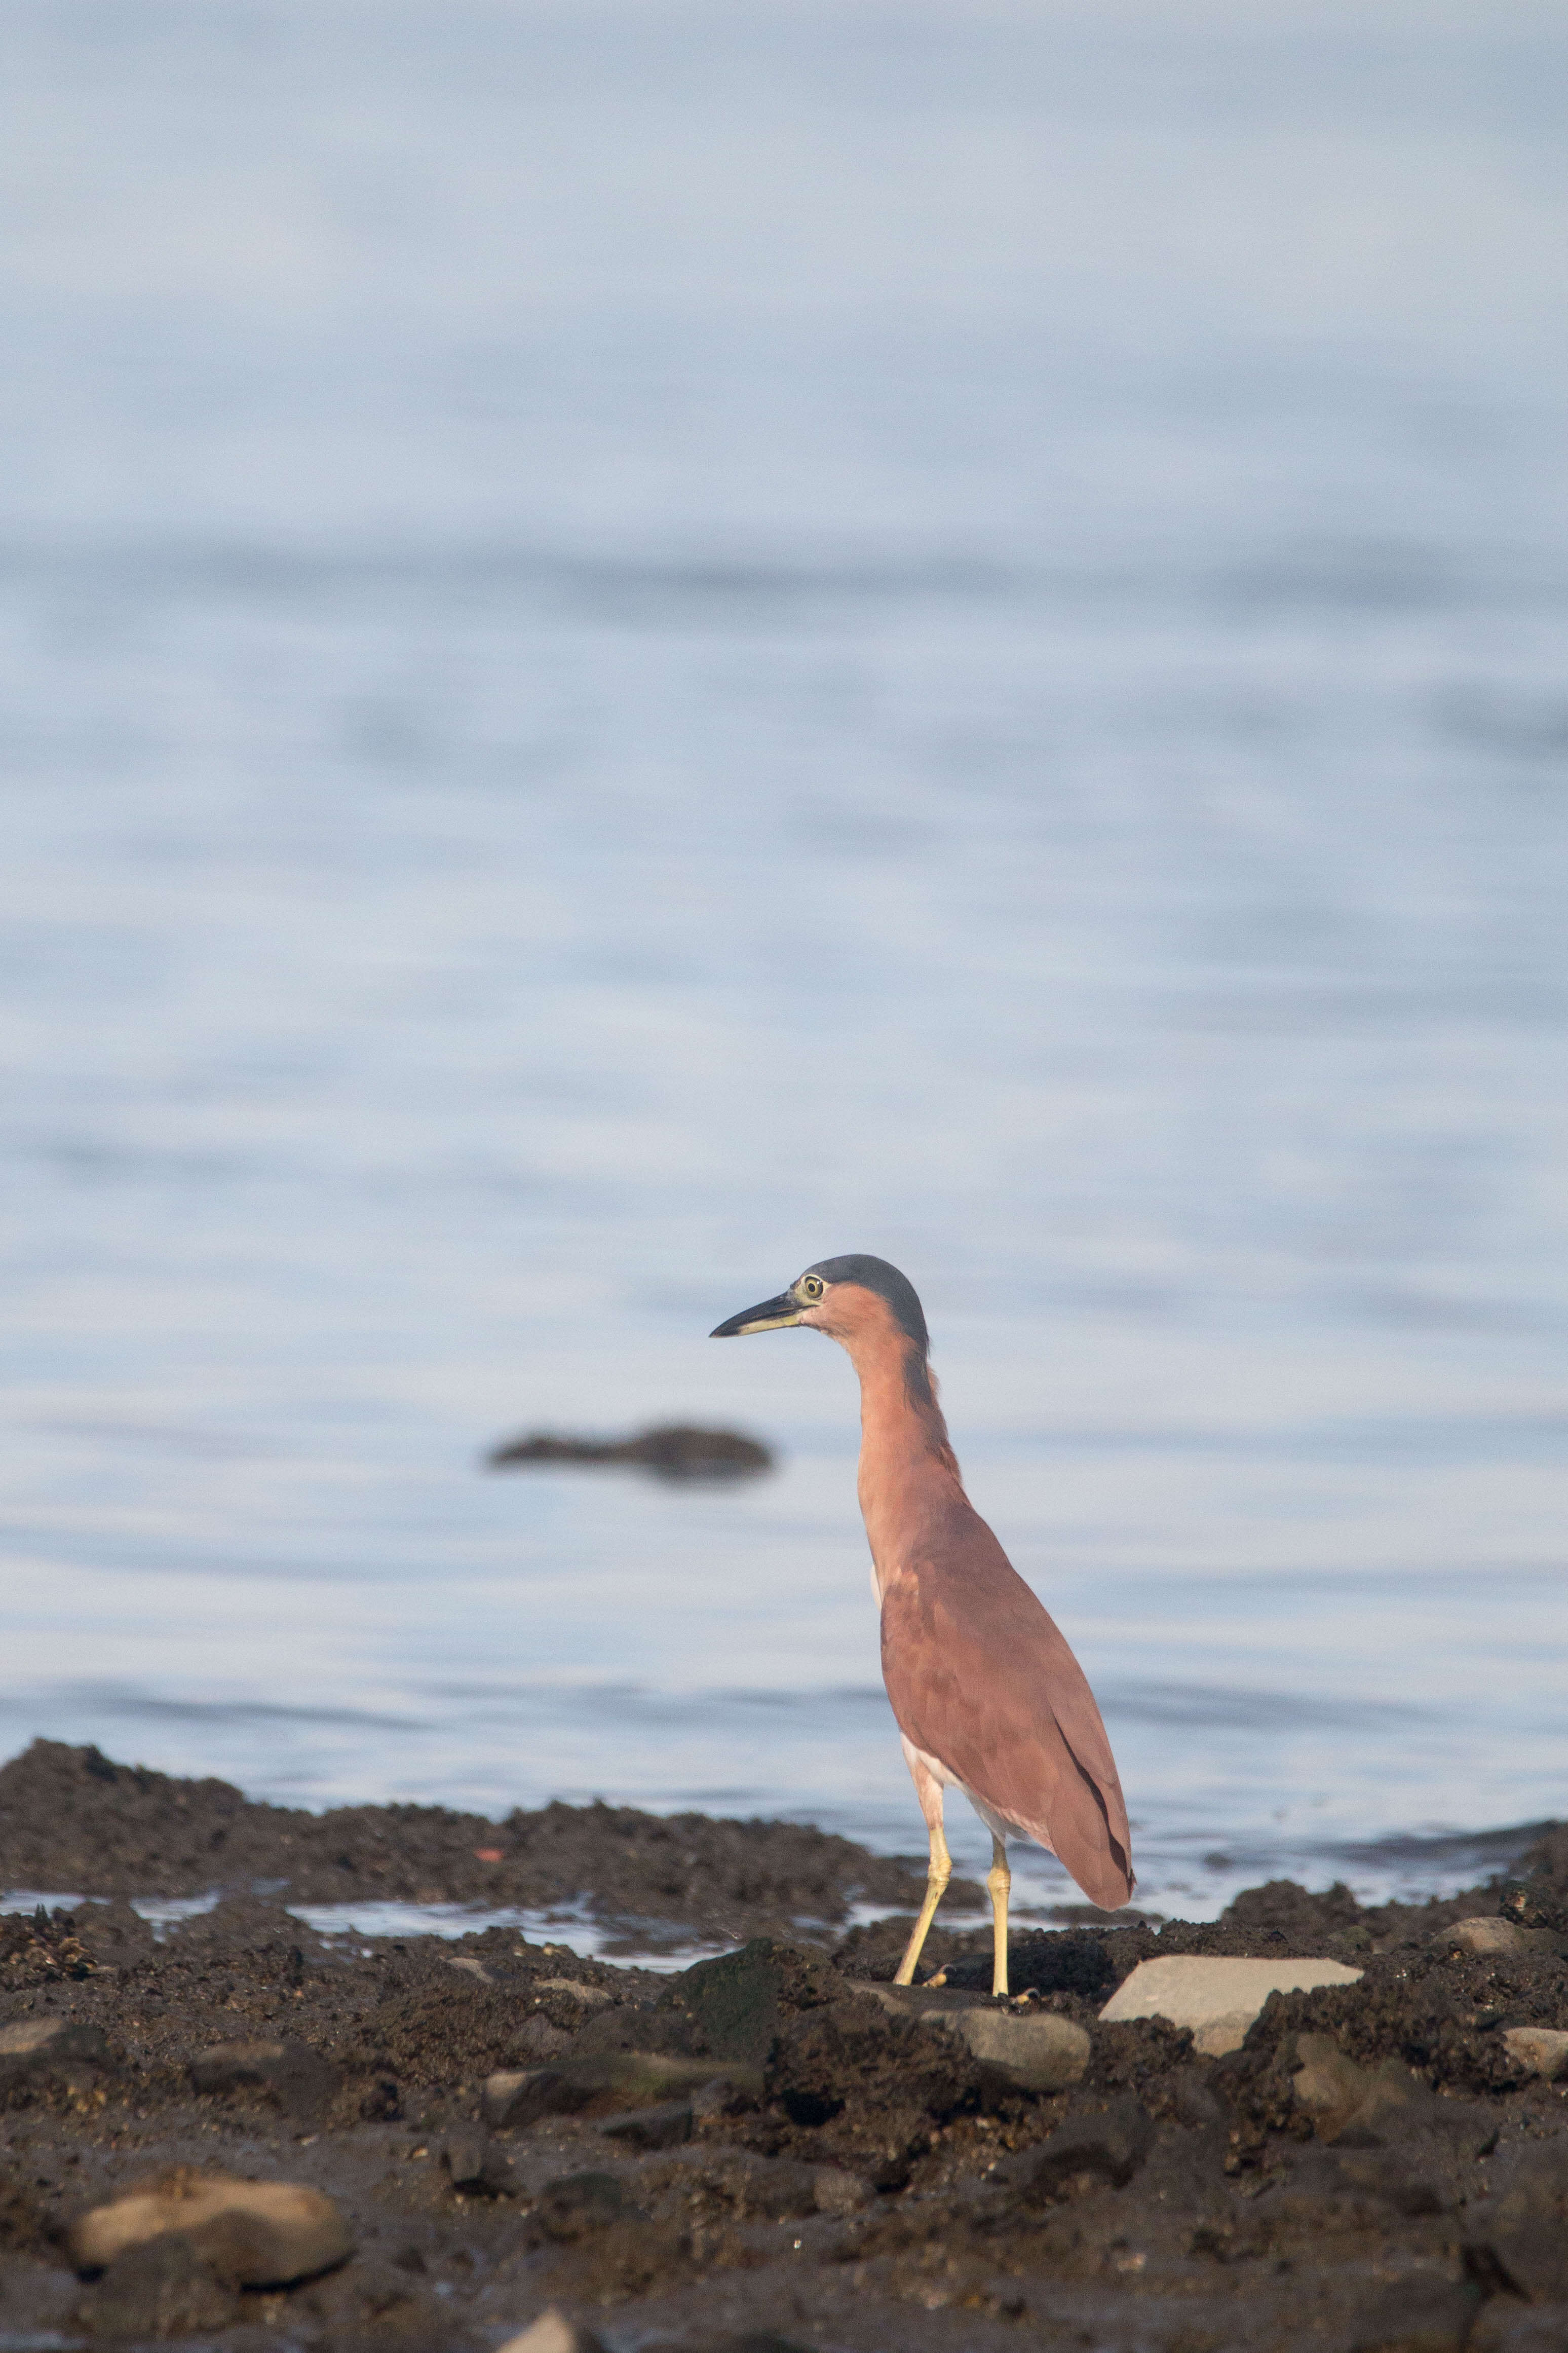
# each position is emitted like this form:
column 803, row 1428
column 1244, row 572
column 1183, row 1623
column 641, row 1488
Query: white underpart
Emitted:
column 998, row 1824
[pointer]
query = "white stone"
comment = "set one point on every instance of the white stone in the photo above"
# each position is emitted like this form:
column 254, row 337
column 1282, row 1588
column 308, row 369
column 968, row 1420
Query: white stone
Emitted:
column 1218, row 1996
column 1541, row 2050
column 574, row 1986
column 553, row 2333
column 27, row 2035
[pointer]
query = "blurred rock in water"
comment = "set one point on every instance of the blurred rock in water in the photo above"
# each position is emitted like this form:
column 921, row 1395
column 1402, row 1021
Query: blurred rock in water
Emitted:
column 675, row 1450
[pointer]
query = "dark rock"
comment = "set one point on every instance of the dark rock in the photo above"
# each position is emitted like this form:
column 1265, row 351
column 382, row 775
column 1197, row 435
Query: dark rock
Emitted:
column 1190, row 2099
column 677, row 1451
column 751, row 2340
column 1108, row 2147
column 516, row 2096
column 1329, row 2087
column 1294, row 1912
column 1390, row 2176
column 721, row 2098
column 381, row 2291
column 739, row 2001
column 161, row 2288
column 1413, row 2185
column 759, row 2340
column 1518, row 2241
column 1506, row 2326
column 575, row 2204
column 113, row 1933
column 246, row 1919
column 614, row 2080
column 473, row 2165
column 663, row 2126
column 665, row 2031
column 538, row 2042
column 1408, row 2116
column 1416, row 2317
column 45, row 2045
column 464, row 2153
column 299, row 2078
column 24, row 2220
column 1382, row 2106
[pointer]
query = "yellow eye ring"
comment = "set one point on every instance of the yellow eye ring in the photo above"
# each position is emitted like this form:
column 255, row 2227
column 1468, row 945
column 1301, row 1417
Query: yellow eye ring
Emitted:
column 811, row 1286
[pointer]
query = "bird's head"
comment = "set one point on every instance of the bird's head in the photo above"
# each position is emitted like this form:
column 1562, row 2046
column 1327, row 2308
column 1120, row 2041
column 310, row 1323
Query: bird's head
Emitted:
column 854, row 1300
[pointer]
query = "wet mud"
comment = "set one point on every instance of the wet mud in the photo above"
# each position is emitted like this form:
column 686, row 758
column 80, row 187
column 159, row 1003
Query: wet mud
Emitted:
column 71, row 1821
column 760, row 2149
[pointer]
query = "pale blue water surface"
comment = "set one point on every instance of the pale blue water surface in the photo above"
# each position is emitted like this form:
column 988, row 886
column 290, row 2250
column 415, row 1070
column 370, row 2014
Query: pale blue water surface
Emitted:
column 642, row 642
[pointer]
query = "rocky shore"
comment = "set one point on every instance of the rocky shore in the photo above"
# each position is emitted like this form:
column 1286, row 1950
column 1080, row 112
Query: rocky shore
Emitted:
column 251, row 2136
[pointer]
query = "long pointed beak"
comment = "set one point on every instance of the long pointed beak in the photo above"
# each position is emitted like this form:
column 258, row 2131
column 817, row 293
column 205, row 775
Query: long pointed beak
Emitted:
column 770, row 1316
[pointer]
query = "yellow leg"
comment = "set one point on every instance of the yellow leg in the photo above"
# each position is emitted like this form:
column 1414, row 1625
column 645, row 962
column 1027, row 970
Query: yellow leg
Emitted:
column 937, row 1877
column 999, row 1879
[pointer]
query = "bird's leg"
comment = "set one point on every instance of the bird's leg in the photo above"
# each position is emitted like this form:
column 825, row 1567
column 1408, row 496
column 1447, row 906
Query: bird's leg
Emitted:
column 937, row 1877
column 940, row 1870
column 999, row 1879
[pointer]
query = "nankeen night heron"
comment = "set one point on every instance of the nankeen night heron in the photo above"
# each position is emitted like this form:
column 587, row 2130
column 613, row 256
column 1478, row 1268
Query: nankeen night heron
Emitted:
column 985, row 1688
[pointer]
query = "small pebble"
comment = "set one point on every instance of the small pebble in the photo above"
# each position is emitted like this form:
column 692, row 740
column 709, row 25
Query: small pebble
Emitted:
column 1541, row 2050
column 664, row 2126
column 553, row 2333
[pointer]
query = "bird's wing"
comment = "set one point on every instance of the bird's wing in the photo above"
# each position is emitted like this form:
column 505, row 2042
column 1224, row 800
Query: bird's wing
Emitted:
column 982, row 1678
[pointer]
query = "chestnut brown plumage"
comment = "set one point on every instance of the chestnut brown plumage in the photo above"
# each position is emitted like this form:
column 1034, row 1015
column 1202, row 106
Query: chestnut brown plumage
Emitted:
column 985, row 1691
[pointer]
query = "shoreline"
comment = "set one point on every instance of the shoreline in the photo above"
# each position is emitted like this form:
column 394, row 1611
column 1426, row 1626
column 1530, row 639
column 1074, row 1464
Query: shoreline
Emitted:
column 768, row 2141
column 76, row 1825
column 71, row 1819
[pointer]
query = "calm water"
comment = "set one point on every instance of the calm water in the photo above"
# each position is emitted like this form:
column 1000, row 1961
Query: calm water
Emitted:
column 640, row 644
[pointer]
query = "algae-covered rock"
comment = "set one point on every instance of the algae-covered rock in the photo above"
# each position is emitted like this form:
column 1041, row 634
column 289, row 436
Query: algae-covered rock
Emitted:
column 740, row 2002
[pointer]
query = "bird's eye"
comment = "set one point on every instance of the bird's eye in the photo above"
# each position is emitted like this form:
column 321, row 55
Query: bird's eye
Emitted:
column 811, row 1286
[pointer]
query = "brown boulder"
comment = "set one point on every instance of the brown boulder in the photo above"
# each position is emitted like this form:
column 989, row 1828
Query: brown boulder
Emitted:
column 254, row 2234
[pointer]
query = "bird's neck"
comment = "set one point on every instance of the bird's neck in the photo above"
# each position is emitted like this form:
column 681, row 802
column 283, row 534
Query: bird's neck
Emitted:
column 907, row 1462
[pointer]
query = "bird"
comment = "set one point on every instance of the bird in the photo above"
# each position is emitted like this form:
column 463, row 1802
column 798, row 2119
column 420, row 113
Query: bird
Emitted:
column 984, row 1689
